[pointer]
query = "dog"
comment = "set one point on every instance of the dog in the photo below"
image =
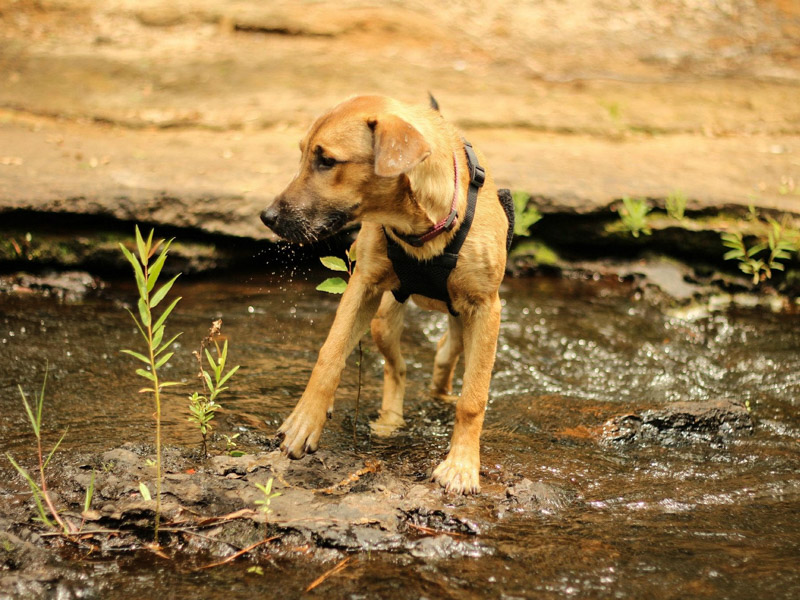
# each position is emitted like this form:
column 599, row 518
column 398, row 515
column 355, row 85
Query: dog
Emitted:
column 402, row 171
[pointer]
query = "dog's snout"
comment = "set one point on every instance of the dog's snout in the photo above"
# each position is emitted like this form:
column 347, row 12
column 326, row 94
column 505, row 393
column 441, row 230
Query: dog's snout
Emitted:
column 269, row 216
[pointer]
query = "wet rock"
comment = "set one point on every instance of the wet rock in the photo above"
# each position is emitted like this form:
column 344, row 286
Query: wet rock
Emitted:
column 536, row 495
column 680, row 422
column 69, row 286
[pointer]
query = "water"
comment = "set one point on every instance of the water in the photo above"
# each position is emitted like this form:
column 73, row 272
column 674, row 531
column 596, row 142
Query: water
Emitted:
column 715, row 520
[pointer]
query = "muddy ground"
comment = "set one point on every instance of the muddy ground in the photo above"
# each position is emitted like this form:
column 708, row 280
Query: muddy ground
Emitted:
column 329, row 505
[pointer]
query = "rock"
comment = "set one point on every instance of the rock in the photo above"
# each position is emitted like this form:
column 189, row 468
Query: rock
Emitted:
column 679, row 422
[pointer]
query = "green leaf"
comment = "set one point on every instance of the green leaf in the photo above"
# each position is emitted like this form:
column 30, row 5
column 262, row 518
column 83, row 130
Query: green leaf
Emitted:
column 144, row 314
column 334, row 263
column 333, row 285
column 146, row 374
column 138, row 356
column 351, row 253
column 164, row 359
column 164, row 384
column 228, row 375
column 159, row 295
column 137, row 271
column 144, row 492
column 140, row 245
column 165, row 314
column 736, row 253
column 87, row 501
column 166, row 345
column 58, row 443
column 158, row 334
column 155, row 269
column 34, row 424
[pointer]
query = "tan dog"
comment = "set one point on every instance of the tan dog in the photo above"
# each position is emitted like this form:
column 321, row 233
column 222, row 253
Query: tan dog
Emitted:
column 397, row 169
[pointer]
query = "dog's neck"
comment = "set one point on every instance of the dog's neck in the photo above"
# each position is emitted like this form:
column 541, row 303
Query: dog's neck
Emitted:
column 429, row 197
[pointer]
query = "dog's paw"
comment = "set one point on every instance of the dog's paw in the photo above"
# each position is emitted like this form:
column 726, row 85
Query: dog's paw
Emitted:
column 458, row 473
column 300, row 433
column 387, row 423
column 445, row 397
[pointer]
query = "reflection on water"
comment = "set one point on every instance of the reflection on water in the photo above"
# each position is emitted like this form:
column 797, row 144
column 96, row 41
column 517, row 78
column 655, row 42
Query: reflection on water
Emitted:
column 650, row 521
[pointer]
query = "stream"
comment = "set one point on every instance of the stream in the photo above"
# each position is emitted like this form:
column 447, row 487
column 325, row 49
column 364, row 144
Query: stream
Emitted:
column 690, row 515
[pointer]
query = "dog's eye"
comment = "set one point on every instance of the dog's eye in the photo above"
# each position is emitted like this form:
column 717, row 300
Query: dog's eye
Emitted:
column 323, row 162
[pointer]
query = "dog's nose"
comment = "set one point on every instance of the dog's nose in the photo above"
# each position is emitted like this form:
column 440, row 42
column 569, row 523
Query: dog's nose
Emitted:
column 269, row 215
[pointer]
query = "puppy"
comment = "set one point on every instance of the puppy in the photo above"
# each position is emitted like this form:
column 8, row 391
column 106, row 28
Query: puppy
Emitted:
column 406, row 175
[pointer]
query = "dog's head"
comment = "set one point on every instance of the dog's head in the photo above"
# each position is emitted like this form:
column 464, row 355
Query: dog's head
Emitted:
column 353, row 163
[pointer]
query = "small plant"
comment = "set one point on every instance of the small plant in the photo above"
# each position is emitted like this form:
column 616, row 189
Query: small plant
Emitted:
column 152, row 329
column 524, row 217
column 781, row 242
column 202, row 407
column 266, row 499
column 337, row 285
column 39, row 490
column 634, row 213
column 230, row 445
column 676, row 205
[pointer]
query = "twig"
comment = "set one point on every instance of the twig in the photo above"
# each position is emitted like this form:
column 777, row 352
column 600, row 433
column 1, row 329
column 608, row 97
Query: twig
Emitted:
column 429, row 531
column 371, row 466
column 358, row 396
column 236, row 555
column 329, row 573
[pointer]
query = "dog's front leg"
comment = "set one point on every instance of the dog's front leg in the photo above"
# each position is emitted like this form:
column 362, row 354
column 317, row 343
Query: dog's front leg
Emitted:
column 459, row 472
column 302, row 430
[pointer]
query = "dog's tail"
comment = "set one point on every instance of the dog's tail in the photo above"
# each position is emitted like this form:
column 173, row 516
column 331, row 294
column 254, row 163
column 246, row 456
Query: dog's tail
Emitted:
column 434, row 103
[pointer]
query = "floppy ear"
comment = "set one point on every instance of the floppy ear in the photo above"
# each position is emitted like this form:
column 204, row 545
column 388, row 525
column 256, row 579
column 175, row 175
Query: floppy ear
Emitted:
column 397, row 145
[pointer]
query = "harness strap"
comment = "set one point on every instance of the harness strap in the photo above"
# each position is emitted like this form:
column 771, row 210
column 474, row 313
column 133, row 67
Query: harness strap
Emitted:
column 429, row 278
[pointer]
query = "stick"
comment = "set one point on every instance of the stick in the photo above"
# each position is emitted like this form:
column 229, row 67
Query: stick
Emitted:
column 330, row 572
column 233, row 557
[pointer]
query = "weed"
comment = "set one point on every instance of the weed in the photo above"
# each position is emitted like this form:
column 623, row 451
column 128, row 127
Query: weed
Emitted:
column 202, row 407
column 265, row 501
column 524, row 217
column 230, row 445
column 39, row 490
column 676, row 205
column 634, row 213
column 152, row 330
column 781, row 241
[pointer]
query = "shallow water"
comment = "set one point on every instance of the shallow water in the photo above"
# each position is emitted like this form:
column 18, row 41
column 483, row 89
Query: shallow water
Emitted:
column 706, row 519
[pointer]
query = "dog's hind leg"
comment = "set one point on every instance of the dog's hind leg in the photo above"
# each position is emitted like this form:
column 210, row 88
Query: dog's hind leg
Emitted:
column 386, row 329
column 448, row 351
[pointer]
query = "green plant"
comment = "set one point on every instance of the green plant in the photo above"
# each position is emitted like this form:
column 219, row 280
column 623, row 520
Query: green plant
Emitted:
column 39, row 490
column 781, row 241
column 230, row 445
column 202, row 407
column 633, row 214
column 152, row 329
column 676, row 205
column 524, row 216
column 266, row 499
column 337, row 285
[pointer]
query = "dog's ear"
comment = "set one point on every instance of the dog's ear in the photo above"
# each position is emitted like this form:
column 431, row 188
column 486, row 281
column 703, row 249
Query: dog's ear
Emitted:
column 397, row 145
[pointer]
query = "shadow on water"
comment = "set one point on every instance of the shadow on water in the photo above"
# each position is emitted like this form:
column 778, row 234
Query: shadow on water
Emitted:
column 704, row 519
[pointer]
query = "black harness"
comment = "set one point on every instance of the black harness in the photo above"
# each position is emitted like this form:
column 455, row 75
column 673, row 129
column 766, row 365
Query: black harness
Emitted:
column 429, row 277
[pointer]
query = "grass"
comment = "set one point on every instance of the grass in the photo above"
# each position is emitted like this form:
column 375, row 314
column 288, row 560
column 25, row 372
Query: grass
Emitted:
column 44, row 504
